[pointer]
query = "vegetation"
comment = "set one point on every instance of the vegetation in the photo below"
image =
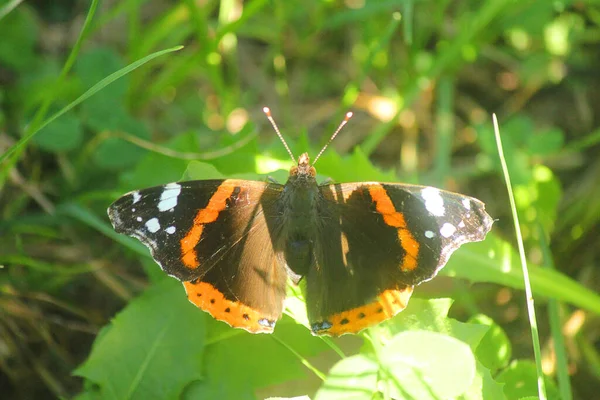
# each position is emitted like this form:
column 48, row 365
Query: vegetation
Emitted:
column 99, row 98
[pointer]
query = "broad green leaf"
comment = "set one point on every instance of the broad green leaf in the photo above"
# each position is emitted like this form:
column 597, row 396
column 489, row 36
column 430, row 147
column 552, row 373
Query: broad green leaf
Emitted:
column 200, row 170
column 494, row 260
column 240, row 161
column 546, row 142
column 520, row 379
column 92, row 66
column 152, row 349
column 115, row 153
column 64, row 135
column 546, row 195
column 431, row 316
column 414, row 365
column 355, row 168
column 89, row 393
column 353, row 378
column 146, row 174
column 494, row 351
column 484, row 387
column 19, row 33
column 104, row 113
column 237, row 363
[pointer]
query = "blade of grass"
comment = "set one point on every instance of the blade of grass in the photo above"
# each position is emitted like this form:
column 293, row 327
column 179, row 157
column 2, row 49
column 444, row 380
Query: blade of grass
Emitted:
column 530, row 306
column 554, row 317
column 408, row 13
column 8, row 7
column 89, row 93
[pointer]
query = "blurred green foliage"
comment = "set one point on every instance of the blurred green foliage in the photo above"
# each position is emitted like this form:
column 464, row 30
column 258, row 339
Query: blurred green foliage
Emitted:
column 92, row 108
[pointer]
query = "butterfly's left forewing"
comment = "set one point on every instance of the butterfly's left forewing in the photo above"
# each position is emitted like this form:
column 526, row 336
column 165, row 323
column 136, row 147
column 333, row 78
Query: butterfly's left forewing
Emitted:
column 213, row 235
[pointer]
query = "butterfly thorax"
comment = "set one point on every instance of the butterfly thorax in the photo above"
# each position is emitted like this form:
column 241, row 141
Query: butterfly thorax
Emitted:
column 300, row 196
column 301, row 192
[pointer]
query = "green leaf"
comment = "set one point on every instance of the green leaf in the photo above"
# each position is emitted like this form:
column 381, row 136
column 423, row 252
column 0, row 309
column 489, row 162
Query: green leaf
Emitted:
column 484, row 387
column 421, row 317
column 116, row 154
column 64, row 135
column 414, row 365
column 352, row 378
column 432, row 315
column 546, row 194
column 161, row 344
column 238, row 362
column 97, row 63
column 356, row 167
column 145, row 173
column 494, row 351
column 546, row 143
column 19, row 32
column 495, row 260
column 202, row 170
column 103, row 113
column 520, row 379
column 152, row 349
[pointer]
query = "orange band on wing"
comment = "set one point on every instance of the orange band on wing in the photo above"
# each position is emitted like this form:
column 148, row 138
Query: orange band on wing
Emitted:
column 388, row 304
column 384, row 206
column 206, row 297
column 216, row 204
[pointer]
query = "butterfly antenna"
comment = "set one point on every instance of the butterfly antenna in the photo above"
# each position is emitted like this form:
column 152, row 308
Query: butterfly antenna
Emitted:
column 267, row 112
column 339, row 128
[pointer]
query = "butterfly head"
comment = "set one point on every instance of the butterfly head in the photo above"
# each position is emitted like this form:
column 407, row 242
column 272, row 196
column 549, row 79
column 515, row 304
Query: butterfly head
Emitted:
column 303, row 170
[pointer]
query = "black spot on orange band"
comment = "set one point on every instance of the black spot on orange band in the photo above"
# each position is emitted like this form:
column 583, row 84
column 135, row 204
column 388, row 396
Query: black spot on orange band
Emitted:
column 388, row 304
column 238, row 315
column 384, row 206
column 216, row 204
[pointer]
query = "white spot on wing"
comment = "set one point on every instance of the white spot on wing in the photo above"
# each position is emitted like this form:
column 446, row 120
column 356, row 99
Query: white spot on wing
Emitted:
column 466, row 203
column 170, row 230
column 136, row 196
column 461, row 224
column 429, row 234
column 434, row 203
column 447, row 230
column 139, row 219
column 168, row 198
column 153, row 225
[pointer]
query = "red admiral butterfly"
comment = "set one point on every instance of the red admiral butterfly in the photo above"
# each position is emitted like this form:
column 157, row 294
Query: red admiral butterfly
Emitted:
column 361, row 247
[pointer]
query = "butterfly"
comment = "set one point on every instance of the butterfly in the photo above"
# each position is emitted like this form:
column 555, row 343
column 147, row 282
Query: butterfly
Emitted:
column 360, row 247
